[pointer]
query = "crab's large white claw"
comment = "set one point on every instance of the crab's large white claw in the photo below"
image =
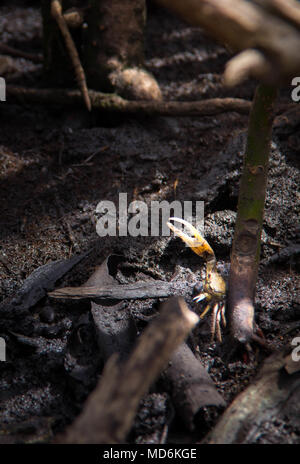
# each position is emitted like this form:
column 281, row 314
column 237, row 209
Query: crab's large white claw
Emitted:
column 198, row 244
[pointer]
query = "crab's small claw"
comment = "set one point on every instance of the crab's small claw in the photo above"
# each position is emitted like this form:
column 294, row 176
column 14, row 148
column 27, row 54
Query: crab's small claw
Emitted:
column 200, row 297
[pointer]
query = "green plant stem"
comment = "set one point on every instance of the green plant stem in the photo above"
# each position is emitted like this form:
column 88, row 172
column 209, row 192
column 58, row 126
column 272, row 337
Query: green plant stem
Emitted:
column 247, row 238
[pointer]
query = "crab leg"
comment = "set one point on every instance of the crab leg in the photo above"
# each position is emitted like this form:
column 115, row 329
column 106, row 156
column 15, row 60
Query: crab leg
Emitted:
column 215, row 323
column 207, row 308
column 222, row 311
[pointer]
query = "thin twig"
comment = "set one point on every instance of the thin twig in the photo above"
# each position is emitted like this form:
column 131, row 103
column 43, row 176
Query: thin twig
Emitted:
column 56, row 11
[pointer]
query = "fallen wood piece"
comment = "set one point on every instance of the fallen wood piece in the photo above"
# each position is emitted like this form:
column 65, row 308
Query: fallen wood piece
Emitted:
column 115, row 103
column 190, row 384
column 245, row 26
column 35, row 287
column 115, row 327
column 136, row 290
column 56, row 11
column 110, row 409
column 273, row 394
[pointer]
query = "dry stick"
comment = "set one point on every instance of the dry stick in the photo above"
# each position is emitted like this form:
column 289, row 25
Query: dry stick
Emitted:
column 246, row 244
column 132, row 291
column 110, row 409
column 114, row 103
column 243, row 25
column 56, row 11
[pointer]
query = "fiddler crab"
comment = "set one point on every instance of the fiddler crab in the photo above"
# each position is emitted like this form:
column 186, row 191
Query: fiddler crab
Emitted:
column 214, row 289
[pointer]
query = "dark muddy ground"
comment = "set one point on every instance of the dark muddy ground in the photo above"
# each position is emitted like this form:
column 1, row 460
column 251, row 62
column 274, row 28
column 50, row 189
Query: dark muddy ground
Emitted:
column 49, row 191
